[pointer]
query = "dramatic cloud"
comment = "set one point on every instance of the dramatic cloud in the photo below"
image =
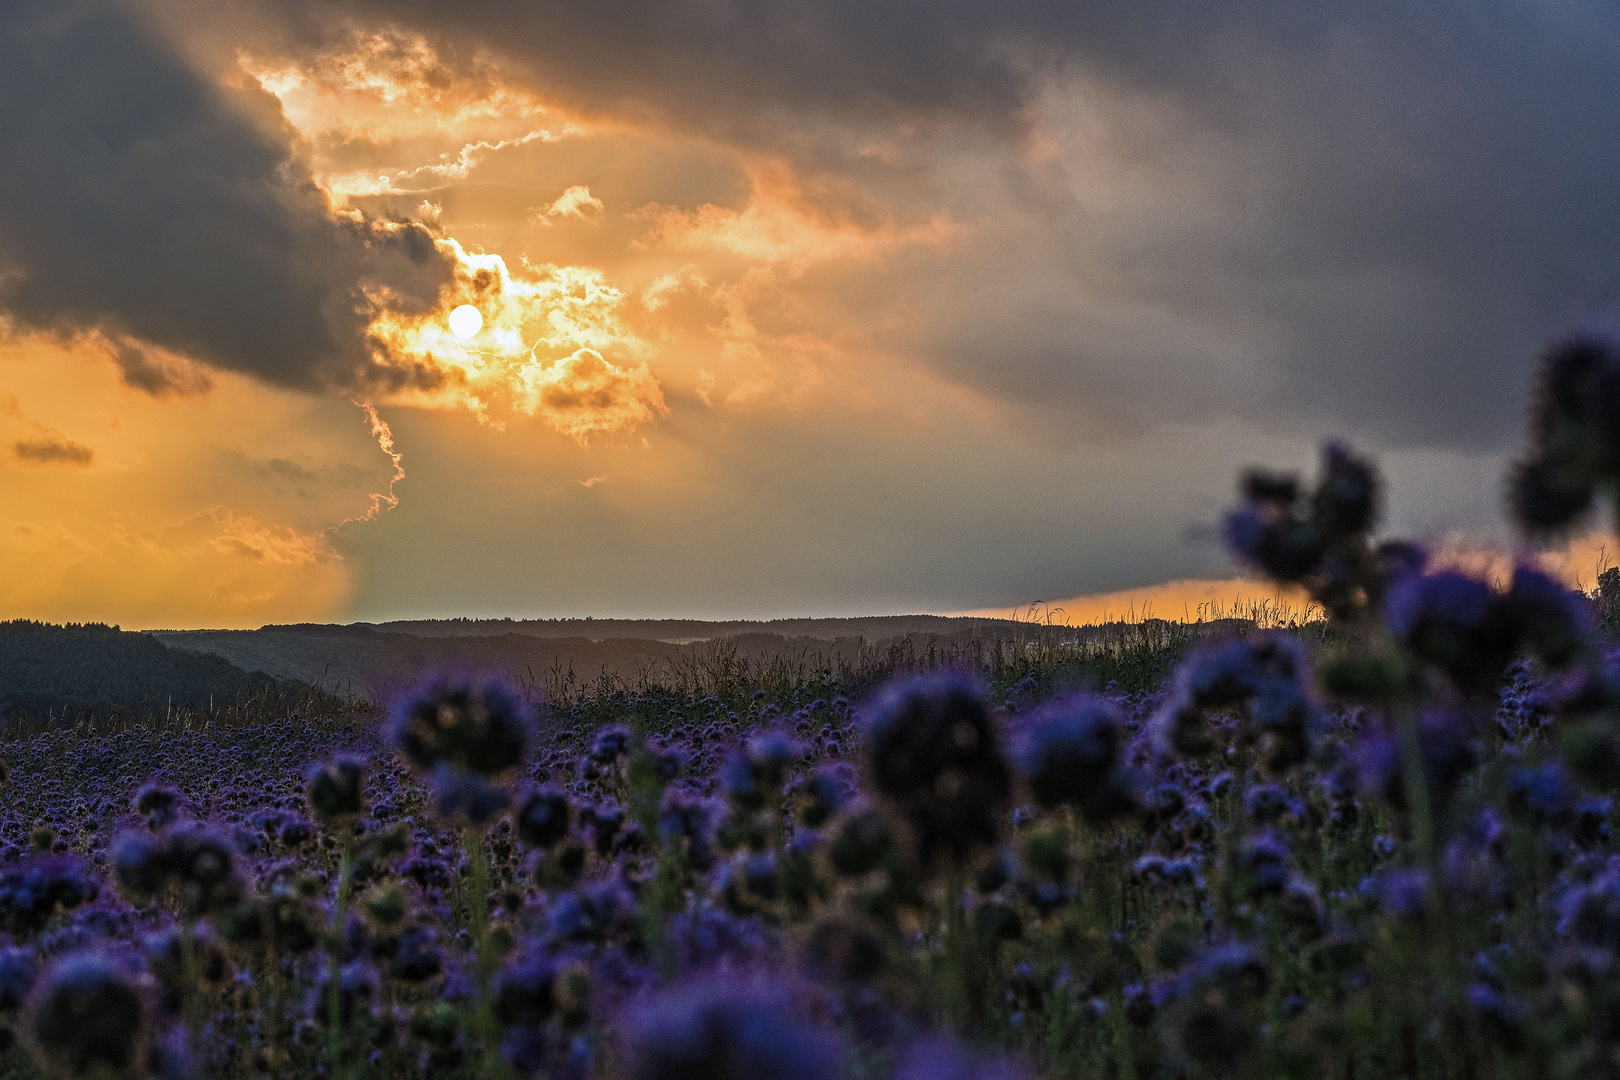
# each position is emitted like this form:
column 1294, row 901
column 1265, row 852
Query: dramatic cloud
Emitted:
column 147, row 203
column 583, row 393
column 1359, row 215
column 576, row 202
column 53, row 448
column 833, row 306
column 782, row 223
column 158, row 371
column 570, row 312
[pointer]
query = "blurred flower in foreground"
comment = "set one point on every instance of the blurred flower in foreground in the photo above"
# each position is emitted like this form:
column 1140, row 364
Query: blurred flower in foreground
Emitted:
column 465, row 736
column 1574, row 436
column 480, row 728
column 88, row 1019
column 935, row 758
column 1071, row 755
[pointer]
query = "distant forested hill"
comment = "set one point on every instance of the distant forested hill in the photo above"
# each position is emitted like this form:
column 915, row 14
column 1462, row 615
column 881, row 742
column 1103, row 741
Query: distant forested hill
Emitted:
column 872, row 628
column 75, row 671
column 369, row 661
column 374, row 661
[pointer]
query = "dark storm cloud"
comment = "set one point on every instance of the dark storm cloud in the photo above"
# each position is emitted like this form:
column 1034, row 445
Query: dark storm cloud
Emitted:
column 1374, row 231
column 1364, row 215
column 144, row 202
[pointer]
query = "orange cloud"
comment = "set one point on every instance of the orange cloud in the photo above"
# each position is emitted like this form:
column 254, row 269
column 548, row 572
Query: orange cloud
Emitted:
column 424, row 114
column 49, row 447
column 583, row 394
column 783, row 223
column 376, row 86
column 576, row 202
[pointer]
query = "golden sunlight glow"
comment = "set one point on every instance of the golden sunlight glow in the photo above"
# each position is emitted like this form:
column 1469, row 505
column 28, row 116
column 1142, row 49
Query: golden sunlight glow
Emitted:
column 544, row 342
column 465, row 321
column 210, row 508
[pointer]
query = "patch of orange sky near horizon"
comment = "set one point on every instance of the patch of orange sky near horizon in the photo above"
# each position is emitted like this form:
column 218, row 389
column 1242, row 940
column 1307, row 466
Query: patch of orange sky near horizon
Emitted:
column 154, row 531
column 1577, row 564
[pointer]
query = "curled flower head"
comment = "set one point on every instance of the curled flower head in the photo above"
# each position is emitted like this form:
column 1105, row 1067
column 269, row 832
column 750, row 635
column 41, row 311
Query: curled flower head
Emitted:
column 467, row 796
column 17, row 972
column 335, row 789
column 751, row 776
column 1265, row 864
column 772, row 753
column 203, row 862
column 739, row 1031
column 543, row 817
column 1554, row 621
column 611, row 744
column 476, row 727
column 1271, row 532
column 686, row 825
column 1296, row 538
column 418, row 957
column 139, row 865
column 1458, row 624
column 827, row 789
column 1548, row 496
column 1267, row 675
column 158, row 803
column 196, row 858
column 1574, row 435
column 598, row 913
column 1071, row 755
column 35, row 889
column 88, row 1018
column 1346, row 498
column 935, row 758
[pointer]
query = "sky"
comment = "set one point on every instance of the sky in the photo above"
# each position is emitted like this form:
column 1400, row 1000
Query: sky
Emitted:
column 787, row 308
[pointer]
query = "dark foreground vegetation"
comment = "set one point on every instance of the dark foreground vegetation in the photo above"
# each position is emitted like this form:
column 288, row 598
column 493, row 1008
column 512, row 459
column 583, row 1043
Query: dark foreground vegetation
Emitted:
column 1376, row 845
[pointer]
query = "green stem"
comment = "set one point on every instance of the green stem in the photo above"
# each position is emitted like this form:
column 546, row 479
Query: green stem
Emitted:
column 489, row 1028
column 270, row 1005
column 1444, row 959
column 188, row 978
column 1232, row 840
column 960, row 1002
column 340, row 914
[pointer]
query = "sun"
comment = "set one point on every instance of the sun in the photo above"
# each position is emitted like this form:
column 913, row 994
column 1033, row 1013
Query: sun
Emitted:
column 465, row 321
